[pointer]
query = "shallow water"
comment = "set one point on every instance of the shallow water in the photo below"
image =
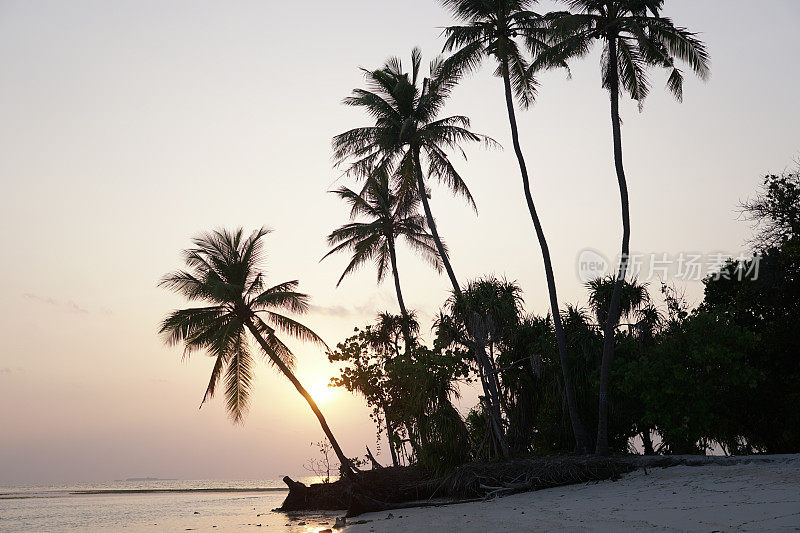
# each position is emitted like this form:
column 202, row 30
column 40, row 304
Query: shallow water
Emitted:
column 162, row 505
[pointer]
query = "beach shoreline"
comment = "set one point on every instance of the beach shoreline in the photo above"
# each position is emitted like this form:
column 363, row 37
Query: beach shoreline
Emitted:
column 737, row 493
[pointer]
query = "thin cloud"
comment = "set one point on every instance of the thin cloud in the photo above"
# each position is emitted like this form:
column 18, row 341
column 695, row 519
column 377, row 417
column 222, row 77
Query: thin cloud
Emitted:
column 368, row 308
column 342, row 311
column 70, row 306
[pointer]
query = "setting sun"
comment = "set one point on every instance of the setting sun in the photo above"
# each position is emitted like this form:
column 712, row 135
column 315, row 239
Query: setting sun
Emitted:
column 320, row 391
column 397, row 262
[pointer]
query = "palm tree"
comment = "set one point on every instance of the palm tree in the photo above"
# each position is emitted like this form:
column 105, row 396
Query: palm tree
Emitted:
column 389, row 219
column 491, row 30
column 223, row 273
column 635, row 36
column 407, row 132
column 384, row 335
column 478, row 318
column 633, row 296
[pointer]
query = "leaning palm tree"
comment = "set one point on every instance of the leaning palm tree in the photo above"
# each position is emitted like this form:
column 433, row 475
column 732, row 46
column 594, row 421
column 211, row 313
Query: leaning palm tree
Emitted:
column 389, row 219
column 408, row 141
column 491, row 30
column 223, row 273
column 635, row 36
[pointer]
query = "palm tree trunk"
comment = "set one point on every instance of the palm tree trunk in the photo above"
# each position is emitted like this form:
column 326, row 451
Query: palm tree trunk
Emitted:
column 491, row 392
column 413, row 442
column 390, row 435
column 457, row 291
column 346, row 465
column 493, row 398
column 400, row 302
column 432, row 224
column 578, row 429
column 647, row 442
column 613, row 307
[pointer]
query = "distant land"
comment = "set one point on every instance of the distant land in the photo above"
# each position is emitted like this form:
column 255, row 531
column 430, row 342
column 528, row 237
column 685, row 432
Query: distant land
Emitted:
column 148, row 479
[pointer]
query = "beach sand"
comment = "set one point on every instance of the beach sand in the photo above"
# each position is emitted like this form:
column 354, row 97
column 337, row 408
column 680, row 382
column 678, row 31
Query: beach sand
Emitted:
column 755, row 496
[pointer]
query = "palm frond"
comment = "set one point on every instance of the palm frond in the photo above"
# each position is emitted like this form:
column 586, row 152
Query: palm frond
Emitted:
column 238, row 380
column 282, row 296
column 294, row 328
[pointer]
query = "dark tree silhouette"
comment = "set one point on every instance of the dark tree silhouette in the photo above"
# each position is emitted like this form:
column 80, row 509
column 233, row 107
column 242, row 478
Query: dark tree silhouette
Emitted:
column 388, row 220
column 635, row 37
column 223, row 272
column 408, row 132
column 492, row 29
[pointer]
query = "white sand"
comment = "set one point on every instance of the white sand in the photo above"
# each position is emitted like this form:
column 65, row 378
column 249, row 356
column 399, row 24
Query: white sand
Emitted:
column 755, row 496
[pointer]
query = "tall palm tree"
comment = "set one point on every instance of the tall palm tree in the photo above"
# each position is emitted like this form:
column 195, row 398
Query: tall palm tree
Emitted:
column 635, row 37
column 389, row 219
column 223, row 273
column 491, row 30
column 407, row 133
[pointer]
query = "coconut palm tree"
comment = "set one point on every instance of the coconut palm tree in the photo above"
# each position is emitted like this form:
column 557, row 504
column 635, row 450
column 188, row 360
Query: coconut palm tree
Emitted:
column 223, row 273
column 408, row 141
column 635, row 37
column 491, row 29
column 388, row 220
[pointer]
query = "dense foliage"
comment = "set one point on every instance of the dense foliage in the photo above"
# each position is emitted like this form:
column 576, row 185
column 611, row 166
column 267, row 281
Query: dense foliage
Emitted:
column 724, row 376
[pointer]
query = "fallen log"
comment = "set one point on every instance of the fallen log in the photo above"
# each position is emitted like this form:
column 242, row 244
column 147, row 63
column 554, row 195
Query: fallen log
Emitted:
column 392, row 488
column 375, row 490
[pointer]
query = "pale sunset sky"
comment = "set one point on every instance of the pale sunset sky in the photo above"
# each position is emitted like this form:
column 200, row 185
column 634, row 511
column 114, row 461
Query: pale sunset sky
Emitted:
column 127, row 127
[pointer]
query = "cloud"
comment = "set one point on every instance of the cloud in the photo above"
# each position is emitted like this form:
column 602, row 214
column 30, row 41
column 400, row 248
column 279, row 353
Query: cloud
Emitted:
column 368, row 308
column 70, row 306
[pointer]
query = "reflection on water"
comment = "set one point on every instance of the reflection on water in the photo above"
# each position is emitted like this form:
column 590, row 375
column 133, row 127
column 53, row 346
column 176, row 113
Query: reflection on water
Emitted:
column 155, row 505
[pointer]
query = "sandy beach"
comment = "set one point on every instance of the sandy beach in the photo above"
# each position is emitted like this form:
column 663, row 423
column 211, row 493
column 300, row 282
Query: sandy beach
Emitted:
column 755, row 496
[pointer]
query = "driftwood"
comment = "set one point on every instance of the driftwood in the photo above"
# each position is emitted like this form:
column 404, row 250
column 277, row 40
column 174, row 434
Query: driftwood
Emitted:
column 402, row 487
column 392, row 488
column 376, row 490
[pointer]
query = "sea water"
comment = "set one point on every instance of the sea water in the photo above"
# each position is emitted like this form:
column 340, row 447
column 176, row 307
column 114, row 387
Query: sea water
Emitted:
column 156, row 505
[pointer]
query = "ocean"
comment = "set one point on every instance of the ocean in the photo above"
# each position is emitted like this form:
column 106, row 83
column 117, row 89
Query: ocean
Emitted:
column 155, row 505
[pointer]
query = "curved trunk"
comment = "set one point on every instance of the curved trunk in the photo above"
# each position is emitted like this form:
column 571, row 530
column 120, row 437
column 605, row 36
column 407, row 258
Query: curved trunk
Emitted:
column 400, row 302
column 613, row 307
column 347, row 467
column 456, row 289
column 578, row 429
column 432, row 224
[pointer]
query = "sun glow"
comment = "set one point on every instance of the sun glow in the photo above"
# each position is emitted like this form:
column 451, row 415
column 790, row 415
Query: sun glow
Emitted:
column 320, row 391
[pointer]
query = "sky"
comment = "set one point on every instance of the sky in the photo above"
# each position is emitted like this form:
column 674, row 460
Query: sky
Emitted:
column 128, row 127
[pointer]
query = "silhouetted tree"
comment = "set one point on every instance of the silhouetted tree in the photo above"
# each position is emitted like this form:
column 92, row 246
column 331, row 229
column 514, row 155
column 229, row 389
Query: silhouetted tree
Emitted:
column 492, row 29
column 407, row 131
column 635, row 36
column 388, row 220
column 223, row 272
